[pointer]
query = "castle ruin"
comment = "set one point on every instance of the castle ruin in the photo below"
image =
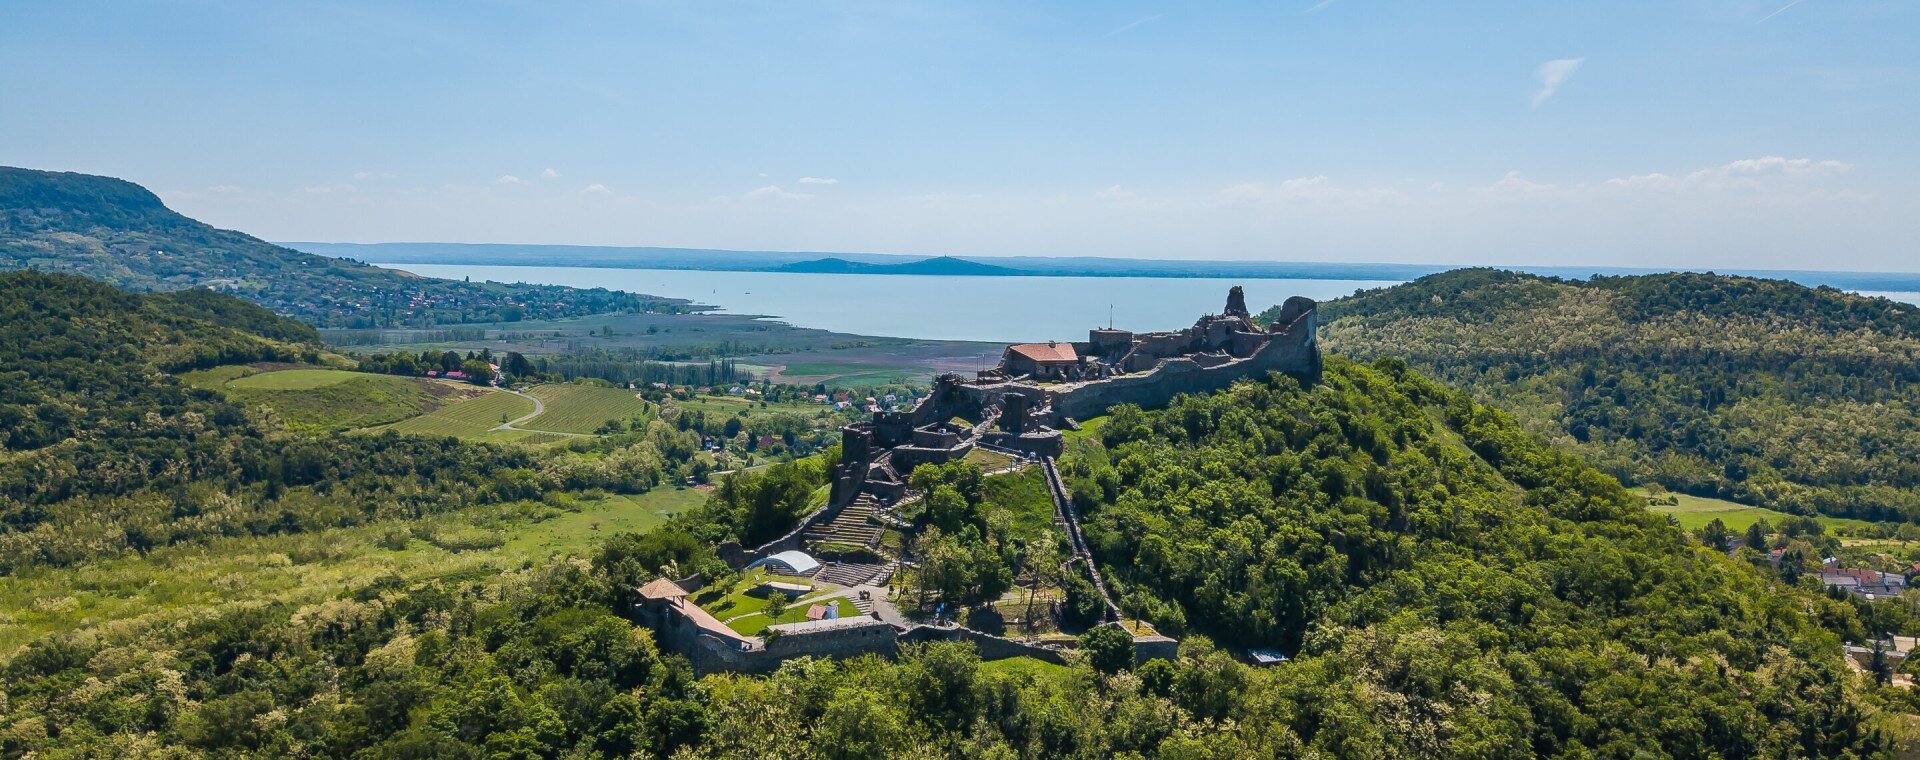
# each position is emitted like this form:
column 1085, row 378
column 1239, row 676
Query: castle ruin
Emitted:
column 1039, row 389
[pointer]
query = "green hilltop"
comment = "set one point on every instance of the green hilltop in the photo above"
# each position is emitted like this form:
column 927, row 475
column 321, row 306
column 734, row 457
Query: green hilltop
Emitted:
column 1806, row 400
column 117, row 231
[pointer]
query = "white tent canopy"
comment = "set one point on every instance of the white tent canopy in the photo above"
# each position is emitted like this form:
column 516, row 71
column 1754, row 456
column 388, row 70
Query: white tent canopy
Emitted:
column 791, row 562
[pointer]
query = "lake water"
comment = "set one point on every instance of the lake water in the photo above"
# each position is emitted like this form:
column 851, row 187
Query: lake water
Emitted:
column 998, row 309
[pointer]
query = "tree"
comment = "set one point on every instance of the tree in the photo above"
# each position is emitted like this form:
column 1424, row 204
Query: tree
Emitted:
column 478, row 372
column 1879, row 666
column 1109, row 648
column 1757, row 535
column 1041, row 561
column 1714, row 534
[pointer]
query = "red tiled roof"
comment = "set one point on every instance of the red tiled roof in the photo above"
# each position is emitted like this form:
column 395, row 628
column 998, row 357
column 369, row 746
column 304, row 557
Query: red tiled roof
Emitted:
column 1046, row 352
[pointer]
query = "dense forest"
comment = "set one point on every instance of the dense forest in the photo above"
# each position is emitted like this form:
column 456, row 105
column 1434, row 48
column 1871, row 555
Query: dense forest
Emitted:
column 1450, row 586
column 1762, row 391
column 119, row 232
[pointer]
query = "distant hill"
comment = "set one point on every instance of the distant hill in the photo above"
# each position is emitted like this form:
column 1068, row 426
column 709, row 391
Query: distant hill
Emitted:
column 117, row 231
column 941, row 265
column 1762, row 391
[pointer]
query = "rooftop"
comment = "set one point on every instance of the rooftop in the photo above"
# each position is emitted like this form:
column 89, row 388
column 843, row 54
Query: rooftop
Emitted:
column 661, row 588
column 1051, row 351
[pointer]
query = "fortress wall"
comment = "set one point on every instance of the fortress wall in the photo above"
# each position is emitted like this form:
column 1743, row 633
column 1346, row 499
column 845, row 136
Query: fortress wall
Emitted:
column 879, row 638
column 1292, row 353
column 989, row 646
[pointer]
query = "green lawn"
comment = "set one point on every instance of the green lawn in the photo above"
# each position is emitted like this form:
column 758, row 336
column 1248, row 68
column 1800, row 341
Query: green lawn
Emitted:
column 471, row 418
column 1025, row 666
column 989, row 460
column 582, row 408
column 295, row 379
column 1695, row 512
column 180, row 583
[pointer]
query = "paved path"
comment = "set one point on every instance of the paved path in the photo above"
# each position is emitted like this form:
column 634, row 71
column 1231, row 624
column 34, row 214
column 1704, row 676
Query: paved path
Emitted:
column 538, row 409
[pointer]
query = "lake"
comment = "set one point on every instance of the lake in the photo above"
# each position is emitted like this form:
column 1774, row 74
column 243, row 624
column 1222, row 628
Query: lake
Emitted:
column 997, row 309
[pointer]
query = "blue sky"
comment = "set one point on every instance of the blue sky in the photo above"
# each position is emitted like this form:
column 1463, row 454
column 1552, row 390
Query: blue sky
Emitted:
column 1684, row 132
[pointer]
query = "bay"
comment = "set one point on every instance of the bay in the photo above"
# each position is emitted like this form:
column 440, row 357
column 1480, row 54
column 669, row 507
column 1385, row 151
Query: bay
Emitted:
column 997, row 309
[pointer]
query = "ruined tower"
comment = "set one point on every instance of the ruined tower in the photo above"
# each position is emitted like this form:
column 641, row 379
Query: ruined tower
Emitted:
column 1237, row 303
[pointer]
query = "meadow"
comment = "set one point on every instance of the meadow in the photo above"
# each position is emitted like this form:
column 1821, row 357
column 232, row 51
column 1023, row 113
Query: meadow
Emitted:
column 181, row 583
column 330, row 400
column 1695, row 512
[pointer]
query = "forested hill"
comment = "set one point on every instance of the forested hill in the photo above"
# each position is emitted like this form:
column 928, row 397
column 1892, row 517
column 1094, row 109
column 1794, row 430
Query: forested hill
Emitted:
column 1762, row 391
column 119, row 232
column 1448, row 584
column 80, row 359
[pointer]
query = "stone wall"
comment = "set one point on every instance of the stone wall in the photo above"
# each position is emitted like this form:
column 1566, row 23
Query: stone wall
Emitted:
column 989, row 646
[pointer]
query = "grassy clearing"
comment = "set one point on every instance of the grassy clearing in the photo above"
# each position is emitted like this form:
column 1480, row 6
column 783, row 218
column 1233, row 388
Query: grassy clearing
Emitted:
column 329, row 400
column 582, row 408
column 989, row 460
column 757, row 623
column 188, row 582
column 1025, row 666
column 294, row 379
column 1021, row 499
column 471, row 419
column 1695, row 512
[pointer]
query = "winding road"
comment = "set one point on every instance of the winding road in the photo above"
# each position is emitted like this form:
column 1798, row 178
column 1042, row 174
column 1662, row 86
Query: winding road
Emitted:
column 539, row 408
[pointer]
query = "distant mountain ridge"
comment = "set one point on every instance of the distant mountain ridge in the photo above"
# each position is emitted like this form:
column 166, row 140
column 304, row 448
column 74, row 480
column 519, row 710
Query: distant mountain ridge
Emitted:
column 725, row 260
column 939, row 265
column 113, row 230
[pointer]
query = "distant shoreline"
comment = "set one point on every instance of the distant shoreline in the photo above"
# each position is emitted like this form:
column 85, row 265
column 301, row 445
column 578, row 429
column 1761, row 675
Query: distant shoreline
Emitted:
column 810, row 262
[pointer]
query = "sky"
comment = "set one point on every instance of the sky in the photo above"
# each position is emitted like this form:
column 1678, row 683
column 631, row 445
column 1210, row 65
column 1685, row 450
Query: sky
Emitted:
column 1695, row 133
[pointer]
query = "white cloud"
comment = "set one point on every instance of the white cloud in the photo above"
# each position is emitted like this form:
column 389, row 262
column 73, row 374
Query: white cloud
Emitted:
column 1134, row 23
column 327, row 189
column 367, row 175
column 549, row 174
column 774, row 192
column 1783, row 9
column 1552, row 74
column 1744, row 174
column 1117, row 194
column 508, row 179
column 596, row 189
column 818, row 181
column 1319, row 6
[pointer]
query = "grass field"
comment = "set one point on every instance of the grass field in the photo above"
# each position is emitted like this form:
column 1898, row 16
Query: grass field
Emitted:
column 1025, row 666
column 989, row 460
column 190, row 582
column 472, row 418
column 329, row 400
column 582, row 408
column 1695, row 512
column 295, row 379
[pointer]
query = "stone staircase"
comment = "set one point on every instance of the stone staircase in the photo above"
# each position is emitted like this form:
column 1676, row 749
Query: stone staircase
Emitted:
column 851, row 526
column 855, row 573
column 1070, row 518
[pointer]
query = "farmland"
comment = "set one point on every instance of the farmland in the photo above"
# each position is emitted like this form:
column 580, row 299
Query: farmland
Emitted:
column 581, row 409
column 471, row 418
column 197, row 581
column 330, row 400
